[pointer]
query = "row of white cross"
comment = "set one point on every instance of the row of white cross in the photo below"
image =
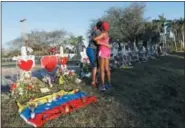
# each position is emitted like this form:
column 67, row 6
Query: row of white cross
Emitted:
column 126, row 52
column 127, row 55
column 150, row 49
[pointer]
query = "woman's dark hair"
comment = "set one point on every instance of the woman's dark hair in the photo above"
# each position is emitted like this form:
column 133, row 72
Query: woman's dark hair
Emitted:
column 99, row 25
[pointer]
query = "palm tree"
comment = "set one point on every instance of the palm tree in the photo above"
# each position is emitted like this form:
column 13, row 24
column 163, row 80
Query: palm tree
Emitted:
column 73, row 40
column 156, row 30
column 163, row 25
column 148, row 33
column 180, row 24
column 159, row 24
column 80, row 43
column 172, row 26
column 80, row 39
column 76, row 42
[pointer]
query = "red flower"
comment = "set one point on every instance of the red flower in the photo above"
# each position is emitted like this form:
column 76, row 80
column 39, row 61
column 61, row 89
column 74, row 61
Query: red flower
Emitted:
column 29, row 87
column 53, row 50
column 13, row 87
column 70, row 73
column 63, row 60
column 66, row 59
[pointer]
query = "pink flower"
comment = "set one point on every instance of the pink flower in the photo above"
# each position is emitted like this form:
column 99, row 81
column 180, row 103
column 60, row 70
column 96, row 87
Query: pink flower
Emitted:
column 85, row 60
column 70, row 73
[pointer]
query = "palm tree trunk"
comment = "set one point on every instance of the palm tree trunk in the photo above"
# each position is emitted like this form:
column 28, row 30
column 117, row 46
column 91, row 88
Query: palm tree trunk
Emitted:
column 119, row 44
column 181, row 45
column 182, row 40
column 175, row 43
column 164, row 42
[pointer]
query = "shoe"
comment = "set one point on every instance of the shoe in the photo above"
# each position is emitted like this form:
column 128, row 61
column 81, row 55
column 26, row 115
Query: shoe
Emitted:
column 93, row 84
column 108, row 86
column 102, row 88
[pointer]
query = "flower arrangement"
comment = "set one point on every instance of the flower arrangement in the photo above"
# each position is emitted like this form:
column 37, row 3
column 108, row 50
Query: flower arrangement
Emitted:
column 68, row 76
column 23, row 91
column 26, row 90
column 63, row 74
column 85, row 70
column 13, row 87
column 63, row 60
column 53, row 50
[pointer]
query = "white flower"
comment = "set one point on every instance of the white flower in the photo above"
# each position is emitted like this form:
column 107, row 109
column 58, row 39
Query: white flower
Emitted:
column 78, row 81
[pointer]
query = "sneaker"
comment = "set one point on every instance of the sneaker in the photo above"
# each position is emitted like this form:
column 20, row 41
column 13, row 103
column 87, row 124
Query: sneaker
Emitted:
column 93, row 85
column 108, row 86
column 102, row 88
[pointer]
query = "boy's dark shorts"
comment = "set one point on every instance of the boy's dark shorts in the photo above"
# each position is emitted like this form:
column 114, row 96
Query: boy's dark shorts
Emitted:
column 93, row 57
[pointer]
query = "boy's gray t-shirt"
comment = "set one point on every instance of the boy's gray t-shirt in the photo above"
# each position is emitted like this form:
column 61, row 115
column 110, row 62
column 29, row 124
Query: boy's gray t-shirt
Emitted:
column 92, row 43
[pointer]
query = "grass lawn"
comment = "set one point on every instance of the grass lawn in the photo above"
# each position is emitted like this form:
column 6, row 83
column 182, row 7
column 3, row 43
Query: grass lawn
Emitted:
column 151, row 95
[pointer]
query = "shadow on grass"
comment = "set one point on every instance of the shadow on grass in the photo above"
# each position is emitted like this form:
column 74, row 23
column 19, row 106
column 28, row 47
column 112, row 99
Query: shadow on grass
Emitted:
column 179, row 53
column 149, row 95
column 152, row 93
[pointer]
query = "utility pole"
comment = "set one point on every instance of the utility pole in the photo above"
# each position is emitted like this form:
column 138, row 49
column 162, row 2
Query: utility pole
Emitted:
column 23, row 47
column 23, row 31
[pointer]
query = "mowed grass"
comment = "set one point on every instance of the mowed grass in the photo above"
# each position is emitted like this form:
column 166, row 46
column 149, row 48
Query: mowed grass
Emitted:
column 152, row 94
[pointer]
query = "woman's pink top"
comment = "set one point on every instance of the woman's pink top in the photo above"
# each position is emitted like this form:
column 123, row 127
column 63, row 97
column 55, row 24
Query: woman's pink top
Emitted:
column 104, row 51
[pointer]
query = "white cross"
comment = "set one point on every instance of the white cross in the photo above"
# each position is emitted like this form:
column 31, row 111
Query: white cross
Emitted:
column 24, row 57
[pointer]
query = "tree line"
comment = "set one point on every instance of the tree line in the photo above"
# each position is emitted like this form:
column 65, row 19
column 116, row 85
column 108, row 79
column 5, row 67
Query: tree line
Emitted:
column 129, row 25
column 42, row 41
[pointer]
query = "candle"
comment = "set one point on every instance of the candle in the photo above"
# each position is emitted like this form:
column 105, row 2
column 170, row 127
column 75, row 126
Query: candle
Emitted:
column 61, row 51
column 67, row 108
column 23, row 51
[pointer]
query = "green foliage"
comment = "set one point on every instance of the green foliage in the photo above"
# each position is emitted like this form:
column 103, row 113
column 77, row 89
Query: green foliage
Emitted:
column 14, row 53
column 41, row 41
column 129, row 24
column 126, row 23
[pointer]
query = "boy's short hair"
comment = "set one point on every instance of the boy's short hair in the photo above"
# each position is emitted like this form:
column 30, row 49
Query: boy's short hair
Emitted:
column 99, row 25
